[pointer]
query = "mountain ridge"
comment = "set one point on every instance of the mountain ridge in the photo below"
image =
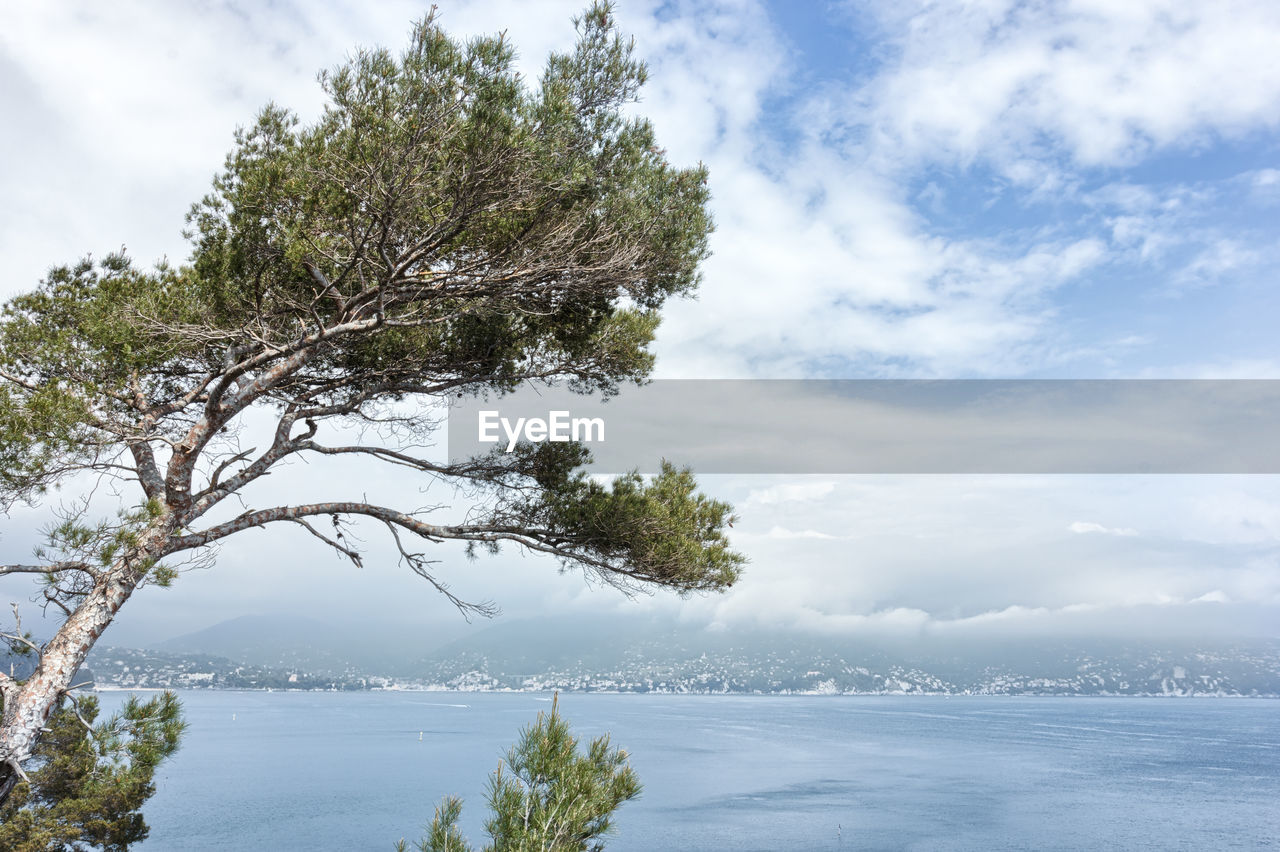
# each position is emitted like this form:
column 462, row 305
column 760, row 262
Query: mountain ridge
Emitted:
column 602, row 652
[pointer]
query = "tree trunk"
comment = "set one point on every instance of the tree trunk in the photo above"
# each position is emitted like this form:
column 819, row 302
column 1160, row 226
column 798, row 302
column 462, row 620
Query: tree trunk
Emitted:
column 26, row 713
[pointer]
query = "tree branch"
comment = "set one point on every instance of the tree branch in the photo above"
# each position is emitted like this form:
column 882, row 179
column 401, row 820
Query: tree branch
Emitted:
column 51, row 568
column 350, row 553
column 532, row 538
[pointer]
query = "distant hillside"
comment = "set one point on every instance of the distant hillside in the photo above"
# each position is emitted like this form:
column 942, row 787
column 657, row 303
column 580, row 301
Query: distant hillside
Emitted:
column 586, row 642
column 305, row 644
column 643, row 654
column 131, row 668
column 664, row 656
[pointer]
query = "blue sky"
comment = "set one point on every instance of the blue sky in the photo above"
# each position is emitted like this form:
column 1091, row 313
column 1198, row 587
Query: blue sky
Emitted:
column 992, row 188
column 1081, row 189
column 1066, row 189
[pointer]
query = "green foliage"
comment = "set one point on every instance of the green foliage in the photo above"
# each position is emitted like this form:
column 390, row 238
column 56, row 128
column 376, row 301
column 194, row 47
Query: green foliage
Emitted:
column 90, row 783
column 445, row 159
column 72, row 542
column 663, row 530
column 551, row 796
column 501, row 232
column 76, row 354
column 658, row 529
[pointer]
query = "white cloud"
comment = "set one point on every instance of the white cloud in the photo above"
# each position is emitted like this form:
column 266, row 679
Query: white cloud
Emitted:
column 790, row 492
column 1101, row 83
column 1239, row 516
column 822, row 262
column 1222, row 258
column 1090, row 527
column 784, row 534
column 127, row 109
column 1002, row 555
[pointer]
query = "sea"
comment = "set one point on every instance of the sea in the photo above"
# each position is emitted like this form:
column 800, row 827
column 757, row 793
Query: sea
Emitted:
column 357, row 771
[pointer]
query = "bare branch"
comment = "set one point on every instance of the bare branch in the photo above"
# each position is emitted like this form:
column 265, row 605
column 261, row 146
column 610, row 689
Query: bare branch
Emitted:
column 349, row 553
column 418, row 564
column 218, row 471
column 543, row 541
column 19, row 638
column 51, row 568
column 51, row 597
column 75, row 708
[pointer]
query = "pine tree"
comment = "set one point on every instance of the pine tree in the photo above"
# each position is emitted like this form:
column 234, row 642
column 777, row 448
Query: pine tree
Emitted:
column 550, row 796
column 91, row 780
column 442, row 229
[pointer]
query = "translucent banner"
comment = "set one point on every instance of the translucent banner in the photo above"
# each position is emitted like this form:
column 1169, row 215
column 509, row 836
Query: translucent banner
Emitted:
column 893, row 426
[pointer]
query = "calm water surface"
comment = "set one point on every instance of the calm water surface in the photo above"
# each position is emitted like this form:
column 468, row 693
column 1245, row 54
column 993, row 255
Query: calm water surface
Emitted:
column 346, row 771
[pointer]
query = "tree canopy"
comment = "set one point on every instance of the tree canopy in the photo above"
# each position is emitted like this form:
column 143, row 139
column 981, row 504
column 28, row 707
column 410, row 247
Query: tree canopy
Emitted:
column 443, row 228
column 548, row 794
column 92, row 777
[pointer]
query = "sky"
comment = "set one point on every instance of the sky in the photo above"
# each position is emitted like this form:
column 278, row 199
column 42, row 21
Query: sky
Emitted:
column 986, row 189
